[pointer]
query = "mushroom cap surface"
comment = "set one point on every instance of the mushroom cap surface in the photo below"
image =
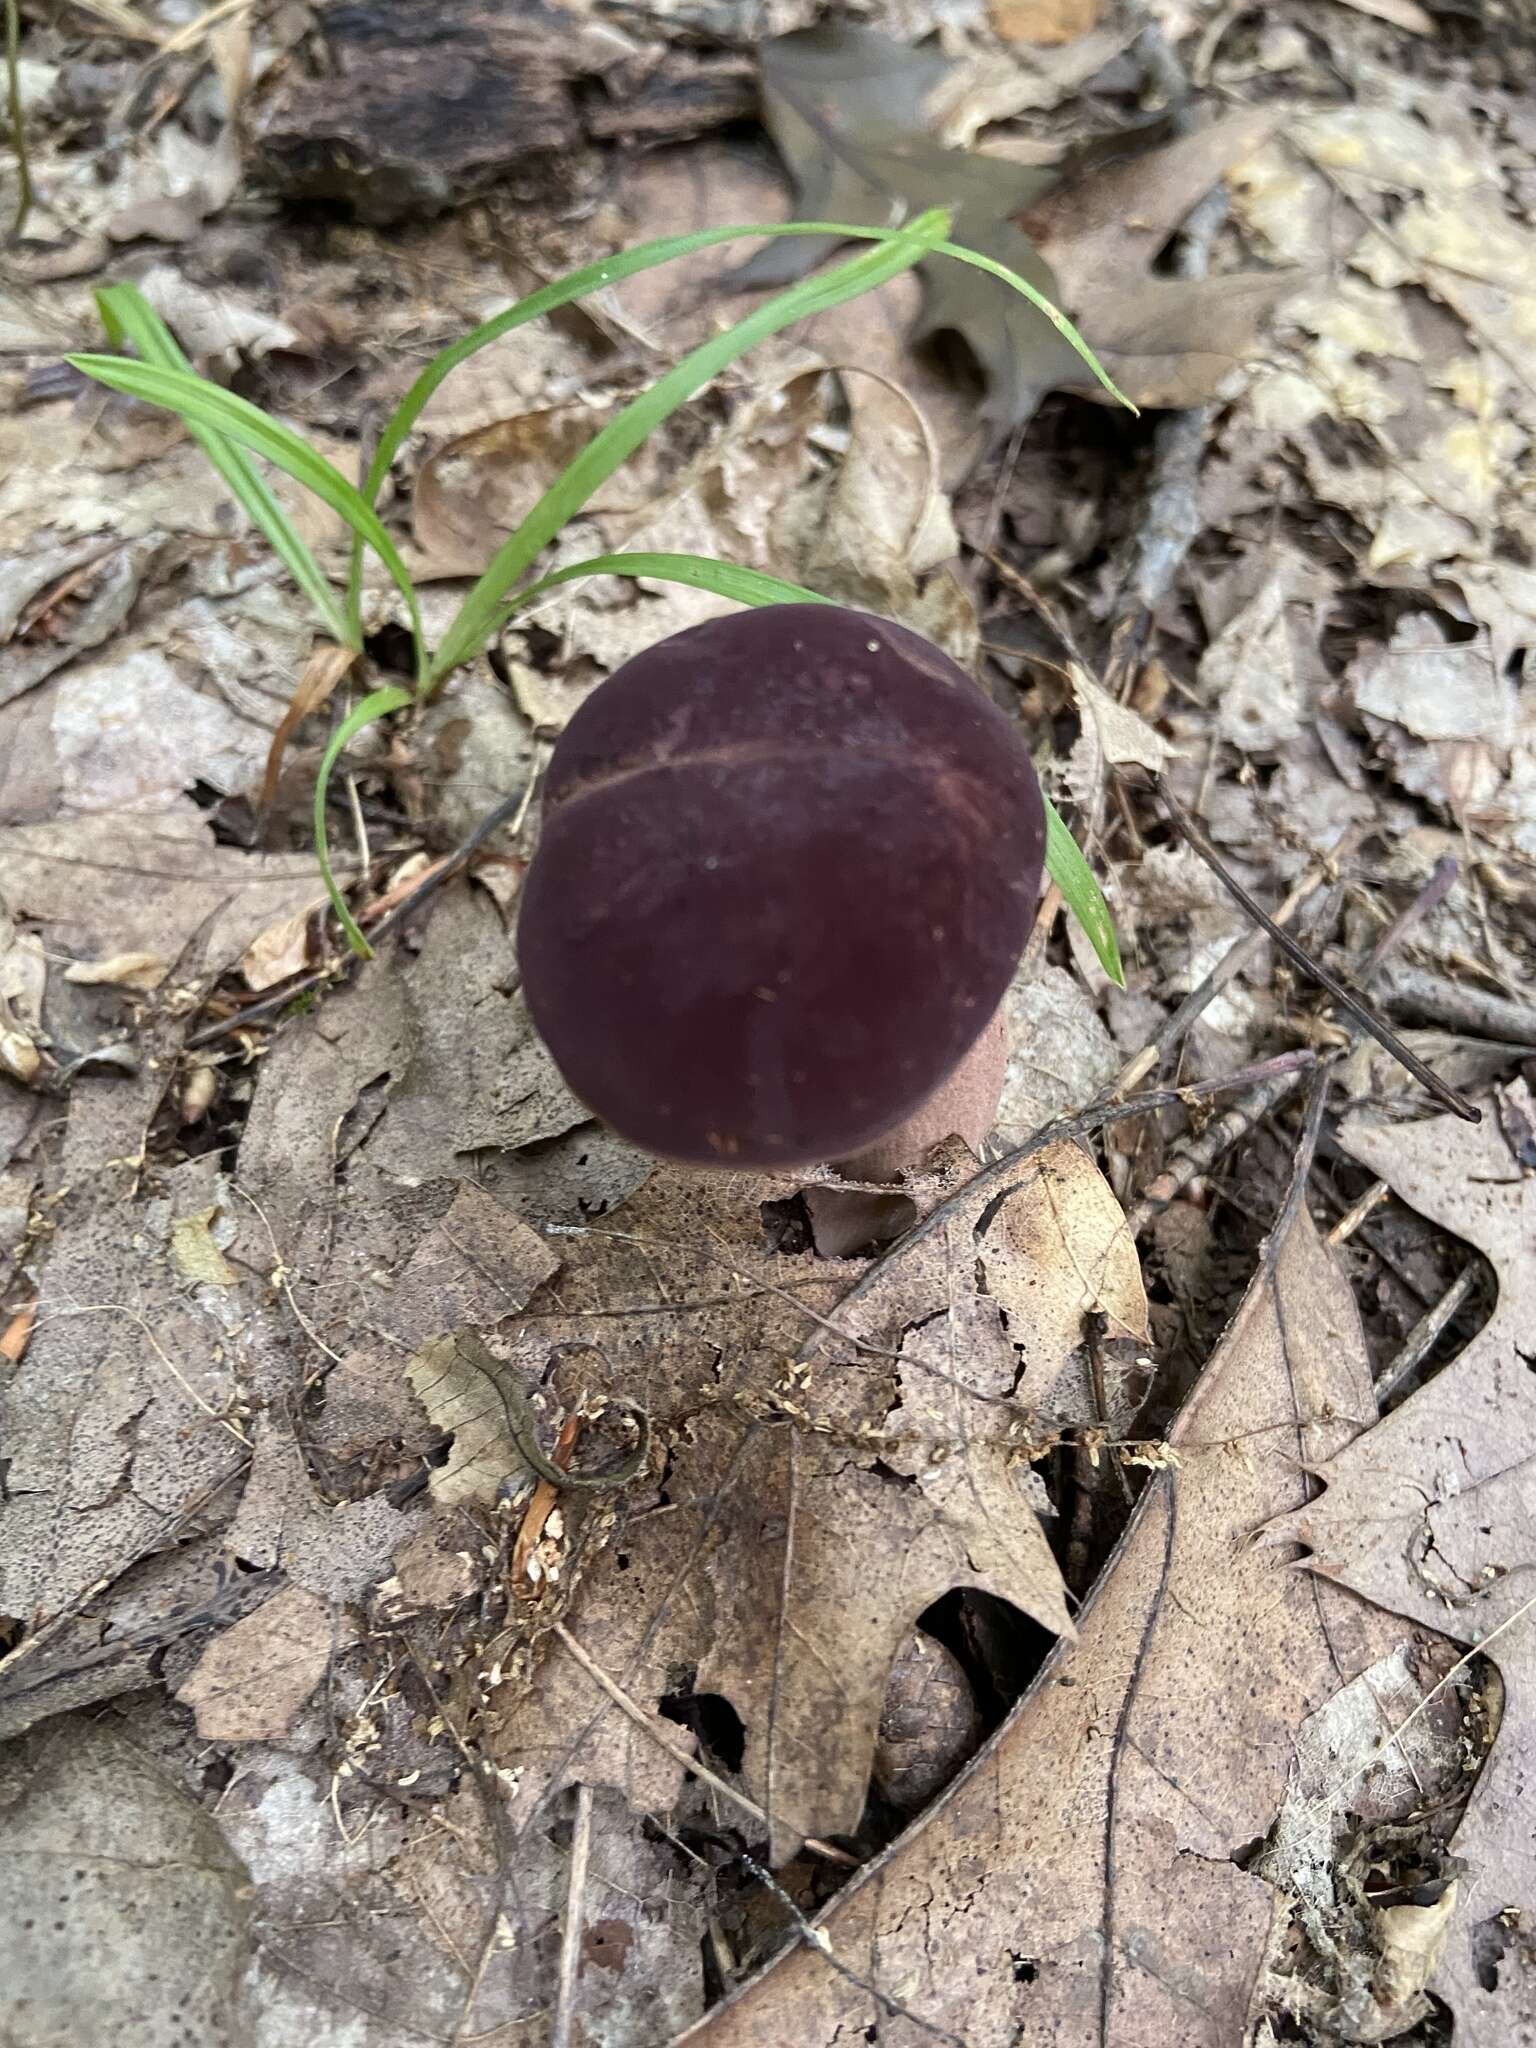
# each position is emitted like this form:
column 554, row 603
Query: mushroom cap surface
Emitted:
column 789, row 862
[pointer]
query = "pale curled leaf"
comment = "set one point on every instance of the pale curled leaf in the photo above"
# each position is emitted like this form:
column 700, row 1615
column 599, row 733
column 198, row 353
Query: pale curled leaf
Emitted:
column 459, row 1387
column 1120, row 736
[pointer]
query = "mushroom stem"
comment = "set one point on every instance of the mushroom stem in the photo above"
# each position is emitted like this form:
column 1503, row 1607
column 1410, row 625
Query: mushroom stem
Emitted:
column 964, row 1106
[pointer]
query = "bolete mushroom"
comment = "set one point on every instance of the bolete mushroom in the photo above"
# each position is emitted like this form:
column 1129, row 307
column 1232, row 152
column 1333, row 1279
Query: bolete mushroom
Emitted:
column 788, row 865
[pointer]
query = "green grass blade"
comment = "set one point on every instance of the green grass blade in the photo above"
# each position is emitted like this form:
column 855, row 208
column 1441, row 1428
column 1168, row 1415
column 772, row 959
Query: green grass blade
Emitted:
column 207, row 408
column 1081, row 893
column 377, row 704
column 634, row 422
column 129, row 318
column 592, row 277
column 701, row 572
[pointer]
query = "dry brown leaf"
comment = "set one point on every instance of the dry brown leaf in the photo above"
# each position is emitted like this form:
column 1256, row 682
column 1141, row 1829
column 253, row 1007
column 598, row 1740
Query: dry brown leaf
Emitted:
column 1058, row 1255
column 1084, row 1880
column 325, row 668
column 280, row 951
column 1433, row 1515
column 464, row 1401
column 1044, row 21
column 816, row 1556
column 121, row 882
column 252, row 1680
column 195, row 1252
column 146, row 1931
column 336, row 1553
column 852, row 114
column 57, row 603
column 470, row 493
column 1112, row 733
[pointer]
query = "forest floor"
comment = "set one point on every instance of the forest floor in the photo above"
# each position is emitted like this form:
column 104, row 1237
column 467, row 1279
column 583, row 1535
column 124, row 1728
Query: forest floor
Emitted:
column 1082, row 1594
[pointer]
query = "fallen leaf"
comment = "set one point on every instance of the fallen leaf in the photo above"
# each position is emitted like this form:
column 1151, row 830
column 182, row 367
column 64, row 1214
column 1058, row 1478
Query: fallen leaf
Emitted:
column 1432, row 1514
column 850, row 112
column 335, row 1553
column 463, row 1398
column 1059, row 1053
column 56, row 604
column 13, row 1338
column 1084, row 1878
column 251, row 1681
column 844, row 105
column 128, row 882
column 283, row 949
column 118, row 1895
column 195, row 1252
column 1044, row 21
column 1250, row 671
column 1112, row 734
column 143, row 971
column 474, row 490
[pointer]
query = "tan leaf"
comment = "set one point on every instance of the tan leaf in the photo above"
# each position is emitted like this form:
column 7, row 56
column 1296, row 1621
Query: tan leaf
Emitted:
column 472, row 492
column 195, row 1253
column 251, row 1681
column 1044, row 21
column 463, row 1400
column 280, row 951
column 1433, row 1512
column 1057, row 1250
column 1099, row 1840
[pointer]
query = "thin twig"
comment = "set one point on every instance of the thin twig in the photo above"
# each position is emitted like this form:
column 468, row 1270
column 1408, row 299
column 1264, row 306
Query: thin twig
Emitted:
column 17, row 119
column 1451, row 1098
column 1424, row 1335
column 818, row 1939
column 1199, row 1154
column 1353, row 1217
column 696, row 1765
column 560, row 2035
column 1231, row 964
column 1441, row 881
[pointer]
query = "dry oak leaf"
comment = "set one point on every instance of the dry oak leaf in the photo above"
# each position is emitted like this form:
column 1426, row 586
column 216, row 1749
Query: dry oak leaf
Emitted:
column 1083, row 1881
column 1433, row 1515
column 850, row 112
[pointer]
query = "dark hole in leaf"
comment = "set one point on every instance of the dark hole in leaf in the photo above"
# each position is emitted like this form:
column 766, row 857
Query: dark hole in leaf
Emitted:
column 713, row 1720
column 1490, row 1944
column 787, row 1226
column 391, row 651
column 999, row 1648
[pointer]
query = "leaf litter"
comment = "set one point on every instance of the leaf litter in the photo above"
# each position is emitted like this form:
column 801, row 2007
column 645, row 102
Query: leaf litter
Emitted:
column 895, row 1434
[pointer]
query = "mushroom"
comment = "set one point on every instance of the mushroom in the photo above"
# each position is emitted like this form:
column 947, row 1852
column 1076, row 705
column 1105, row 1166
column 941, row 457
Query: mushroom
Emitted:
column 788, row 865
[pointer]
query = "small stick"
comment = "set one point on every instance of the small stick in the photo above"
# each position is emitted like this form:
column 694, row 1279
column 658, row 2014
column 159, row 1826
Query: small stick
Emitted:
column 1352, row 1219
column 570, row 1933
column 693, row 1764
column 1451, row 1098
column 1231, row 963
column 1201, row 1154
column 1421, row 1339
column 1430, row 897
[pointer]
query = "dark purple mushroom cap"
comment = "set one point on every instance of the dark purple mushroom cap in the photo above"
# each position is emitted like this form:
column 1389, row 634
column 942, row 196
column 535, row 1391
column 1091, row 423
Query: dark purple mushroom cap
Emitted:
column 789, row 863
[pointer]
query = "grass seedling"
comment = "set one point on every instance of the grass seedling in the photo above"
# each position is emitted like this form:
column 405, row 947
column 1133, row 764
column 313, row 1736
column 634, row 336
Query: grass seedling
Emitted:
column 232, row 431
